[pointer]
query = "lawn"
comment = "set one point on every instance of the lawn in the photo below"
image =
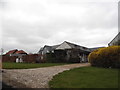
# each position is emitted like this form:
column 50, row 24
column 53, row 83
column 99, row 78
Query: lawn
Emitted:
column 86, row 77
column 11, row 65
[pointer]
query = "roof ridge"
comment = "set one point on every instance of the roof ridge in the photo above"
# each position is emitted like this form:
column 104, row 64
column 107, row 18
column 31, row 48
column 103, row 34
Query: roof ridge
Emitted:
column 73, row 44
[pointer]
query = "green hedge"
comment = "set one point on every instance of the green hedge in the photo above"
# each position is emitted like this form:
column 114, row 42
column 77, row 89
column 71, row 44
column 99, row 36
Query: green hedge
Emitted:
column 105, row 57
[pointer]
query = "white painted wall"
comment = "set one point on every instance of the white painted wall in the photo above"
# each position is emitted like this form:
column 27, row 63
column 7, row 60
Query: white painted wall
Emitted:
column 63, row 46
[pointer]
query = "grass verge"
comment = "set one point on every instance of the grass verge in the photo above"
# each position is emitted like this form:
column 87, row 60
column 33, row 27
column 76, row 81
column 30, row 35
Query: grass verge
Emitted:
column 11, row 65
column 86, row 77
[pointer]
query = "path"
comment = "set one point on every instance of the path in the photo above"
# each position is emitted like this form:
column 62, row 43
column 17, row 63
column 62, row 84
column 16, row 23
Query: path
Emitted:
column 35, row 78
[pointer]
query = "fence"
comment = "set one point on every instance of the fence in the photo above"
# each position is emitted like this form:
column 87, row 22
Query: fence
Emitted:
column 32, row 58
column 8, row 58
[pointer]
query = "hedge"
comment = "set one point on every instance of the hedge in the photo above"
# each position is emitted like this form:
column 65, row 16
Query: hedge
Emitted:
column 108, row 57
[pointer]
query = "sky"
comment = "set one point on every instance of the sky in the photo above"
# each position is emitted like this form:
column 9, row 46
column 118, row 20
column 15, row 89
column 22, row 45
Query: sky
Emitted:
column 31, row 24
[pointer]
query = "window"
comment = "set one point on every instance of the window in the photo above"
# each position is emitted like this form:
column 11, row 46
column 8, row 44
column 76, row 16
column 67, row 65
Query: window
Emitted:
column 47, row 51
column 53, row 51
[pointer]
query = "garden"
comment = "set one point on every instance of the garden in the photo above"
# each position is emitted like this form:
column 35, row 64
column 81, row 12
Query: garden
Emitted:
column 86, row 77
column 103, row 72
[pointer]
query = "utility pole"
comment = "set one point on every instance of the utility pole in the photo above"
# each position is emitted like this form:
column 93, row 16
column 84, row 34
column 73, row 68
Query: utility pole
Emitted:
column 1, row 51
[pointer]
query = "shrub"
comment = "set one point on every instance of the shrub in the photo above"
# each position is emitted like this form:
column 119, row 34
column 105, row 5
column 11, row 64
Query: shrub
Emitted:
column 105, row 57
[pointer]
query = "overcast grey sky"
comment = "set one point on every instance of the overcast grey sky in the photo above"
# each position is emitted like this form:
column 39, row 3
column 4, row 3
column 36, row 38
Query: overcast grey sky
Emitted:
column 31, row 24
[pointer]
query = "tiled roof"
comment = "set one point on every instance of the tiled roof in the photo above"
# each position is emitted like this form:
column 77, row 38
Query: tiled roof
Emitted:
column 20, row 52
column 16, row 52
column 11, row 52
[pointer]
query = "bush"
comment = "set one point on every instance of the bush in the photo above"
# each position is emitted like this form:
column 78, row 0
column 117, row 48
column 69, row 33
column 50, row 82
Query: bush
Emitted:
column 105, row 57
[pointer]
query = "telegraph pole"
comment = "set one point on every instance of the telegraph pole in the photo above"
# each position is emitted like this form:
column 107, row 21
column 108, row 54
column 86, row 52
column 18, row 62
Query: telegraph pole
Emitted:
column 1, row 51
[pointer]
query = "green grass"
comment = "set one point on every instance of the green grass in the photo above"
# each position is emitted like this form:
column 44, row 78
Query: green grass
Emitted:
column 86, row 77
column 11, row 65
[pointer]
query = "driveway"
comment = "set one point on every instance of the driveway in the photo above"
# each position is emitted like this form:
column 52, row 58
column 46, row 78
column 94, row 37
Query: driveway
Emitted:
column 35, row 78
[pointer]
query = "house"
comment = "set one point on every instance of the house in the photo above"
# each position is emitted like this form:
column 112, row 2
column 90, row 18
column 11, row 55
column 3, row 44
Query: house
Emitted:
column 67, row 52
column 18, row 55
column 115, row 41
column 11, row 52
column 16, row 52
column 72, row 52
column 47, row 49
column 92, row 49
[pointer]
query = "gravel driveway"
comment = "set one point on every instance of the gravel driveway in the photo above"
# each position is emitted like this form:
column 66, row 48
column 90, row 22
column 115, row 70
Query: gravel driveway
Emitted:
column 35, row 78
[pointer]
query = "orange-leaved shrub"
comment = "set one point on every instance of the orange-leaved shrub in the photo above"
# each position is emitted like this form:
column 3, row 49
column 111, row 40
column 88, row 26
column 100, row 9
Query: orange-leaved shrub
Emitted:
column 105, row 57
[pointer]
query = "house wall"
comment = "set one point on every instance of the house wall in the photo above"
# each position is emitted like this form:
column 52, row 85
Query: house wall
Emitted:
column 46, row 50
column 71, row 55
column 79, row 55
column 19, row 55
column 63, row 46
